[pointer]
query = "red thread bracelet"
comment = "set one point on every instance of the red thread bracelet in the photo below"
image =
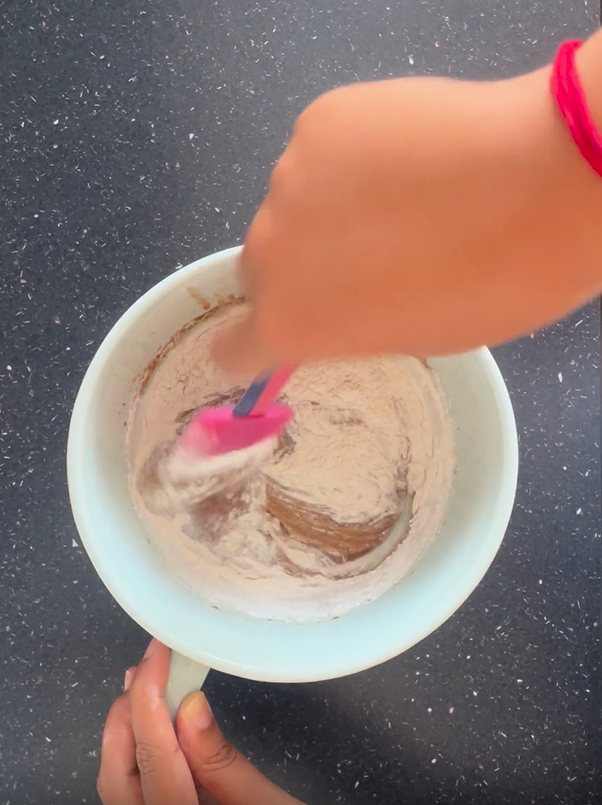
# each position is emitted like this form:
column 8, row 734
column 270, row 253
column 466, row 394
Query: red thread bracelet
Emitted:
column 570, row 97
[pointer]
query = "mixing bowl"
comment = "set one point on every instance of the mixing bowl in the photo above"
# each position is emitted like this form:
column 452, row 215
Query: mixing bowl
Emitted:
column 205, row 637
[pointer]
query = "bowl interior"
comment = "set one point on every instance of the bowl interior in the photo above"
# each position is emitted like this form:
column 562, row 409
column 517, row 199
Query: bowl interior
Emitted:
column 477, row 515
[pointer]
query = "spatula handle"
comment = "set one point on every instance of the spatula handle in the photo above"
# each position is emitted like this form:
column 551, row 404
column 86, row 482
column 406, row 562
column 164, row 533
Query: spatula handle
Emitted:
column 263, row 392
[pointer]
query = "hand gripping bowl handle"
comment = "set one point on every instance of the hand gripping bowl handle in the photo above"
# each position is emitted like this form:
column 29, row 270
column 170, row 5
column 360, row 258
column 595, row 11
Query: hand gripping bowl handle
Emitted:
column 185, row 676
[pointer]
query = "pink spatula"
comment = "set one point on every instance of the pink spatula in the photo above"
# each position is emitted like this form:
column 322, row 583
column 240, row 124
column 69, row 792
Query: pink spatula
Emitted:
column 254, row 419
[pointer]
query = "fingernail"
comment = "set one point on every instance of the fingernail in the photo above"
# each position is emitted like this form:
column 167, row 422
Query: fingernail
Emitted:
column 152, row 647
column 196, row 710
column 129, row 675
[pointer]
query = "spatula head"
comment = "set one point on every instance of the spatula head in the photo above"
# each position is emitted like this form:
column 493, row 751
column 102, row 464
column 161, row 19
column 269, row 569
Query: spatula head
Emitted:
column 217, row 431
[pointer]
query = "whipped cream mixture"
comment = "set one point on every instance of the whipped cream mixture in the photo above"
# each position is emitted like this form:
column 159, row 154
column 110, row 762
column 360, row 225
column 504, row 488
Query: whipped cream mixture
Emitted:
column 330, row 517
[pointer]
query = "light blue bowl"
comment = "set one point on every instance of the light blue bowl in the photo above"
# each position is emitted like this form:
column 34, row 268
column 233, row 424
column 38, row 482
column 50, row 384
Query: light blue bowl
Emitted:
column 114, row 537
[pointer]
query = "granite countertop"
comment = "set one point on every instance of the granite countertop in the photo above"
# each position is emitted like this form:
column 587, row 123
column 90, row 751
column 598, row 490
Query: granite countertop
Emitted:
column 136, row 137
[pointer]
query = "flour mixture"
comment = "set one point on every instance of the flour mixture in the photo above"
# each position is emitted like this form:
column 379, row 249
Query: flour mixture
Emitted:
column 337, row 513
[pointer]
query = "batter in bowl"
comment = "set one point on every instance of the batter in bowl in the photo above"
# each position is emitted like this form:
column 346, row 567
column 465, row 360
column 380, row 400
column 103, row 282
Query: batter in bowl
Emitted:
column 340, row 511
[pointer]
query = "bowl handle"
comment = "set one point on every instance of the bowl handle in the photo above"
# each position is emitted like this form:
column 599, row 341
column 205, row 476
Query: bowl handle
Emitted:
column 185, row 676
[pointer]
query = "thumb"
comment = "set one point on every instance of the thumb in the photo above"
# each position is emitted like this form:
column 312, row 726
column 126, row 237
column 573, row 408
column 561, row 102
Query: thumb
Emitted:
column 216, row 765
column 239, row 349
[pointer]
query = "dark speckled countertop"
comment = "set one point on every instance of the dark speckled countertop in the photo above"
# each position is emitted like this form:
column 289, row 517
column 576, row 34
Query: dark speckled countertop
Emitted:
column 137, row 136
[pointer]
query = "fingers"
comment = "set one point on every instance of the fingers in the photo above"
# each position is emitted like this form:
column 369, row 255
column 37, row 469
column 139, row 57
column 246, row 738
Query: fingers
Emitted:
column 239, row 349
column 216, row 765
column 242, row 348
column 118, row 779
column 164, row 774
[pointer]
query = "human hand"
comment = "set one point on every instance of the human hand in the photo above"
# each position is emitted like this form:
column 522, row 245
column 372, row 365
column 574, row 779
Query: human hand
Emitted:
column 146, row 762
column 423, row 216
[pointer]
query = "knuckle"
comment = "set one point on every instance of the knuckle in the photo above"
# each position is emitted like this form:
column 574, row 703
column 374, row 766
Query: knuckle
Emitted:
column 100, row 786
column 221, row 759
column 304, row 123
column 256, row 240
column 319, row 107
column 283, row 174
column 262, row 227
column 146, row 758
column 279, row 173
column 262, row 248
column 118, row 710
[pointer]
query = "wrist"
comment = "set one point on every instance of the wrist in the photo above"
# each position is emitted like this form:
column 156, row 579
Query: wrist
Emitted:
column 566, row 194
column 589, row 66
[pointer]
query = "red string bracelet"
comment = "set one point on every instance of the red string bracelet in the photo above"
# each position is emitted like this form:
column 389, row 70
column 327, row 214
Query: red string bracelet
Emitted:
column 570, row 97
